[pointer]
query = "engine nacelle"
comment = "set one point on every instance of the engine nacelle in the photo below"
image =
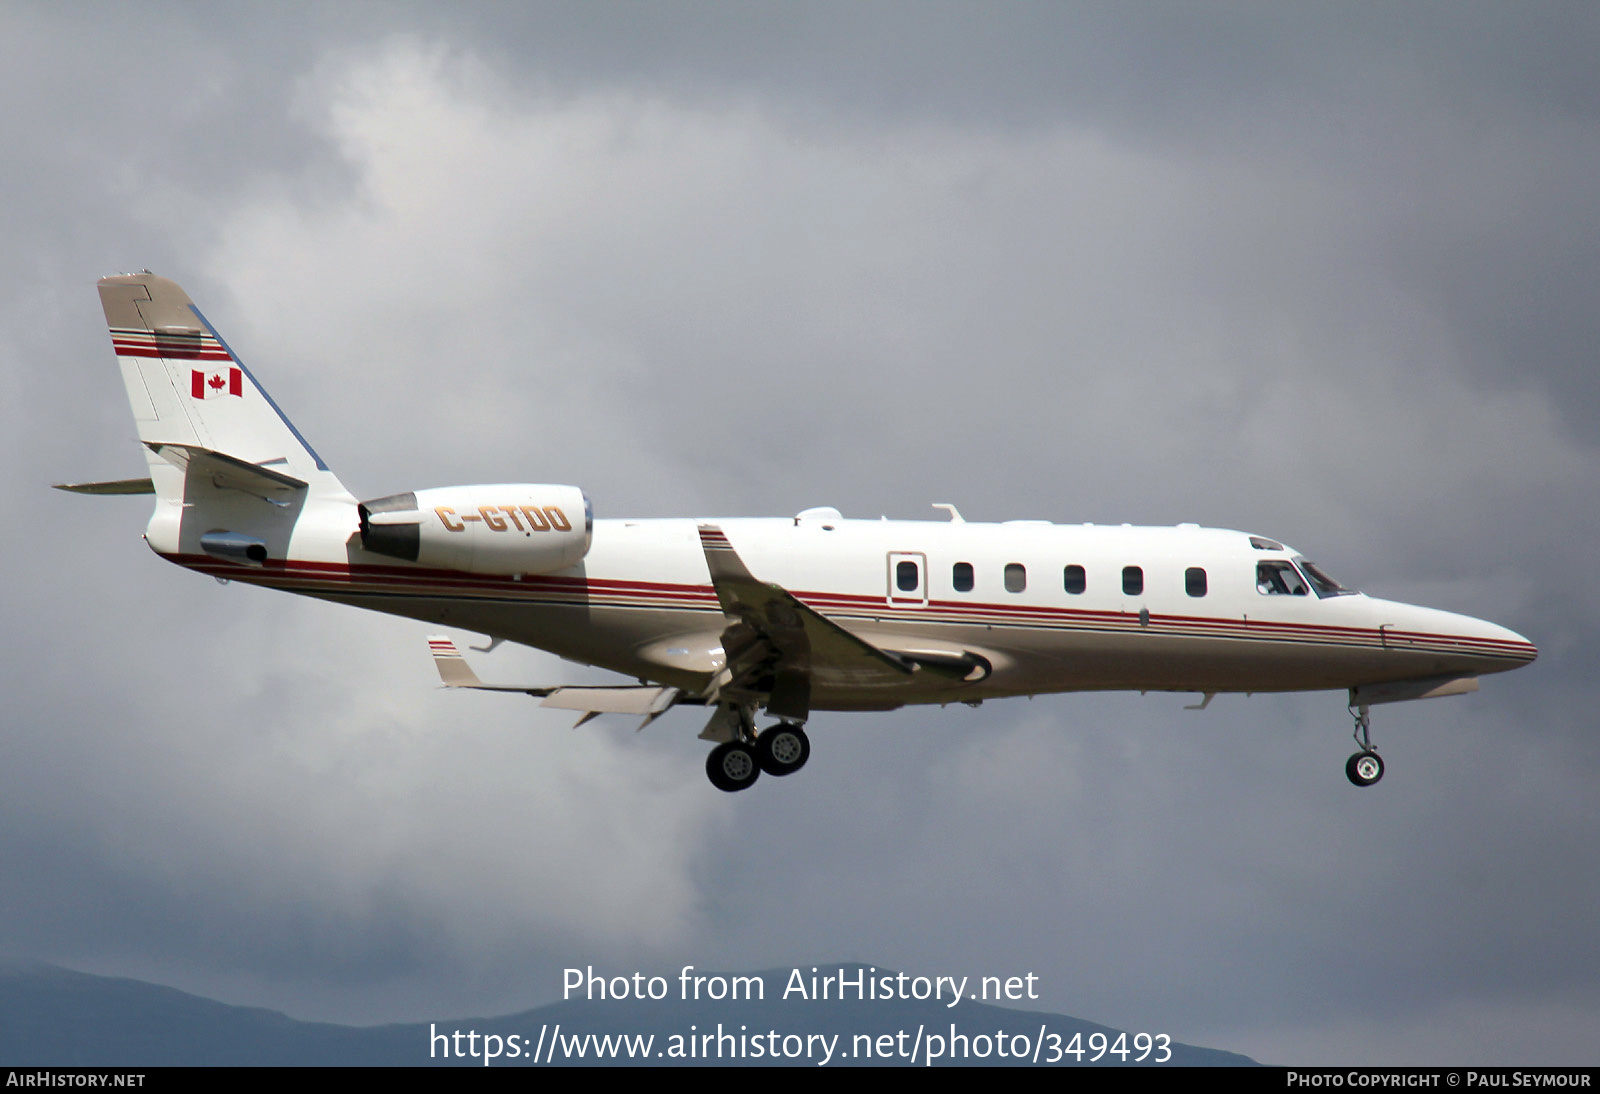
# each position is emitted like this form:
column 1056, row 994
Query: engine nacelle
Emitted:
column 514, row 528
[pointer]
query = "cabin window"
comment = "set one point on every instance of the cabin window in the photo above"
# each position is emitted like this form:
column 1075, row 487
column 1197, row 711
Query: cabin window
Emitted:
column 1016, row 577
column 1132, row 580
column 1073, row 579
column 1279, row 579
column 961, row 577
column 905, row 576
column 1194, row 581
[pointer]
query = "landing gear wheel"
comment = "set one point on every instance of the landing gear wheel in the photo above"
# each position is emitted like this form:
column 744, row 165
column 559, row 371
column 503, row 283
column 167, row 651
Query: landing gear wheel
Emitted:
column 1364, row 768
column 783, row 749
column 732, row 766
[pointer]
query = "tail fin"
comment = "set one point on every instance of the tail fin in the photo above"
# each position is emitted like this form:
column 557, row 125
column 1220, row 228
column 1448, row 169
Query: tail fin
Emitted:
column 192, row 396
column 231, row 475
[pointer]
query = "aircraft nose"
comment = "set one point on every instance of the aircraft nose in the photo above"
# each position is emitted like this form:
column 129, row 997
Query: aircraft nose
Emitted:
column 1501, row 647
column 1525, row 650
column 1472, row 645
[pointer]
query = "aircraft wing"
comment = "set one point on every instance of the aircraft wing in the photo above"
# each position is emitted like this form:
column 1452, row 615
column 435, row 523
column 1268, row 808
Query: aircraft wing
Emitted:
column 650, row 700
column 775, row 645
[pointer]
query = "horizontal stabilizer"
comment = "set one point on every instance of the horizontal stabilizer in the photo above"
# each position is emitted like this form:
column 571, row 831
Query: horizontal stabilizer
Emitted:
column 120, row 486
column 229, row 473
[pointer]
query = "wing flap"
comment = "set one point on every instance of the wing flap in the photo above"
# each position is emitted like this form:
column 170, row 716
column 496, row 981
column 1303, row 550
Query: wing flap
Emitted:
column 627, row 699
column 649, row 700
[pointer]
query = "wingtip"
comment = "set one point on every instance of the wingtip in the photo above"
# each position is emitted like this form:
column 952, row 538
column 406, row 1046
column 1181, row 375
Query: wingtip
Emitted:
column 453, row 668
column 713, row 539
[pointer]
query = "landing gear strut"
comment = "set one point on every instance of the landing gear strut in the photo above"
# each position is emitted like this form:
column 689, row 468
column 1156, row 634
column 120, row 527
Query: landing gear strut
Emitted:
column 1366, row 766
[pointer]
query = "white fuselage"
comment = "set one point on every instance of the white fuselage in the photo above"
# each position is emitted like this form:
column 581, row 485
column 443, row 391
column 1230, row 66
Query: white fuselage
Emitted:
column 641, row 603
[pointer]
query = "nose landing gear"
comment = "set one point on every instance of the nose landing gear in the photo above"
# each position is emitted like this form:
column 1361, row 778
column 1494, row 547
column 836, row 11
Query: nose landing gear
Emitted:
column 1366, row 766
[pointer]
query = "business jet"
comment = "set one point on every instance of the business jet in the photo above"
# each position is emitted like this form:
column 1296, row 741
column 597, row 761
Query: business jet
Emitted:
column 788, row 616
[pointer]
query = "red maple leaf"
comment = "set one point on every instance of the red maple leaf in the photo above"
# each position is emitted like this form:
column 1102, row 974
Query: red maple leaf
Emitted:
column 216, row 382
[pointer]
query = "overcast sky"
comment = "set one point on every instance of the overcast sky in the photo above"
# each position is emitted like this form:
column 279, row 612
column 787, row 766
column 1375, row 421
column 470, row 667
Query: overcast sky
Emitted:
column 1326, row 273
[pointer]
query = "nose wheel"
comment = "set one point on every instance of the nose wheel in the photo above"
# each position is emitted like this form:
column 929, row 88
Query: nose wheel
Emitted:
column 1366, row 766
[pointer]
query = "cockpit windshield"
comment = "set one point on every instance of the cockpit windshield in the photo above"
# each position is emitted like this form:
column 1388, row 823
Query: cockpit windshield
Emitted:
column 1320, row 581
column 1279, row 579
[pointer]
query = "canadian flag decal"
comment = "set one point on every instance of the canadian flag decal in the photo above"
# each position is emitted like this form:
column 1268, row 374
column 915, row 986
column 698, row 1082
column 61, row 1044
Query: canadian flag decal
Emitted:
column 204, row 385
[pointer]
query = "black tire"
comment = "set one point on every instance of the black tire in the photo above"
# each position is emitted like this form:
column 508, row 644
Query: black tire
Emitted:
column 733, row 766
column 783, row 749
column 1364, row 768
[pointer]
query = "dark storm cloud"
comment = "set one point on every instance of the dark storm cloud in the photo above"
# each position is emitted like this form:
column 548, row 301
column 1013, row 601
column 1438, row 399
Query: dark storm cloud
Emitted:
column 1465, row 133
column 158, row 116
column 1173, row 68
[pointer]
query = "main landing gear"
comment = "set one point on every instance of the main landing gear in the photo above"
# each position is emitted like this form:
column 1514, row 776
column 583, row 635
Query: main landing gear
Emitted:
column 779, row 750
column 733, row 766
column 1366, row 766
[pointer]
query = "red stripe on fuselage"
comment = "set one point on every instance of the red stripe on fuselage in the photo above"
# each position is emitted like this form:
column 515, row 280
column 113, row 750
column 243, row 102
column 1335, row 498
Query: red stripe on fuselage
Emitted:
column 300, row 576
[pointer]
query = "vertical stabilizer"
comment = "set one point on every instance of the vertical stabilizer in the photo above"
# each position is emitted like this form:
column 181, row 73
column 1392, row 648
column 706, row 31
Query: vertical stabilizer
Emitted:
column 224, row 460
column 189, row 390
